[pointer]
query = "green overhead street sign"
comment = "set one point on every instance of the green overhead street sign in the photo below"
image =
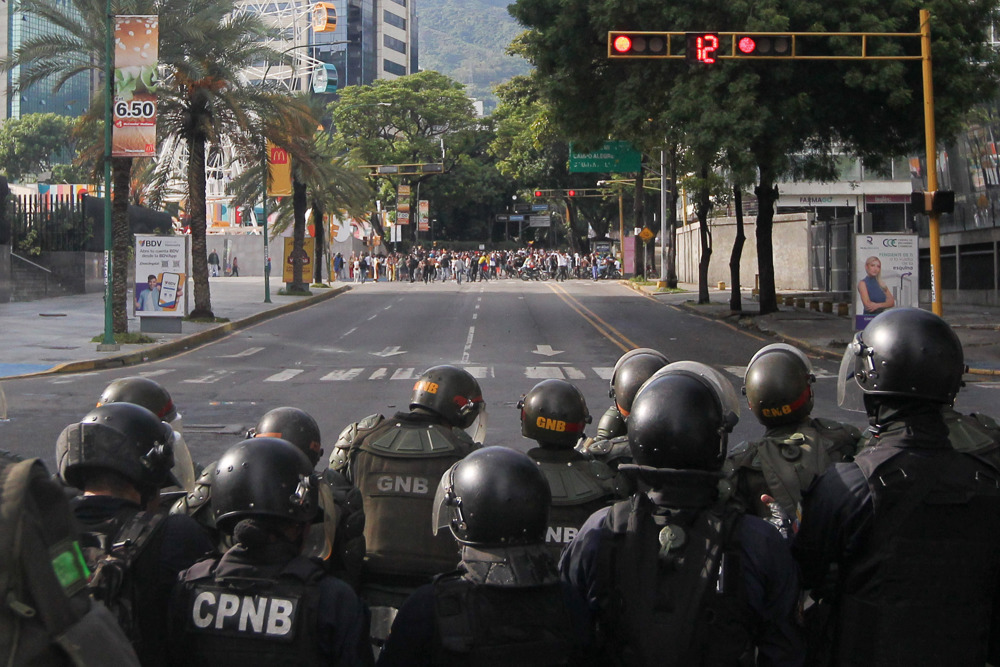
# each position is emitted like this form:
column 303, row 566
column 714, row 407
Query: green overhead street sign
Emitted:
column 618, row 157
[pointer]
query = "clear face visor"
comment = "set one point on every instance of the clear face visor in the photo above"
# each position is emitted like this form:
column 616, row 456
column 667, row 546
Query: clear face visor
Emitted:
column 477, row 429
column 447, row 506
column 849, row 393
column 183, row 468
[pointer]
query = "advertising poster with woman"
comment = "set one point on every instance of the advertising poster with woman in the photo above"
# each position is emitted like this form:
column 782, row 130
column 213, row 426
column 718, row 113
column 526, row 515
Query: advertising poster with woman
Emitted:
column 886, row 274
column 160, row 276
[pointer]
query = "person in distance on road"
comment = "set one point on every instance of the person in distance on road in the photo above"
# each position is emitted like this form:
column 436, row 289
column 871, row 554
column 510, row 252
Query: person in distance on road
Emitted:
column 554, row 414
column 900, row 545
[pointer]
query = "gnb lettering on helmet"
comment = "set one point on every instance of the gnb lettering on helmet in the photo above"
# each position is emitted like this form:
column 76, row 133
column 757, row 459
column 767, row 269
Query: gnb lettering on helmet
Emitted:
column 221, row 611
column 551, row 424
column 424, row 385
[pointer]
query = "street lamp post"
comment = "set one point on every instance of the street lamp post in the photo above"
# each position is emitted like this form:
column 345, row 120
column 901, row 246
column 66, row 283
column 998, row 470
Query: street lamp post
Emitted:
column 108, row 340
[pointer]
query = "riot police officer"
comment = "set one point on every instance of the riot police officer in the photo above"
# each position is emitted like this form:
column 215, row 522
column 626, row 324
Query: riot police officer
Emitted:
column 631, row 370
column 902, row 542
column 340, row 545
column 154, row 397
column 263, row 602
column 120, row 455
column 554, row 414
column 796, row 447
column 395, row 462
column 679, row 575
column 505, row 605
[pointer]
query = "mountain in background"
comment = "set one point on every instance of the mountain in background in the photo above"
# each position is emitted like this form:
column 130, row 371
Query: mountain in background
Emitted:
column 467, row 41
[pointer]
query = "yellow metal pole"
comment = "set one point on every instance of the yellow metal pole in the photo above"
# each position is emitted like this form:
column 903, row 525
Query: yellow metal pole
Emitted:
column 931, row 141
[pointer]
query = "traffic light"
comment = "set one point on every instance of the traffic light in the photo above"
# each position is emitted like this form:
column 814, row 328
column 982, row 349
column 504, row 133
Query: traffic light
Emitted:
column 941, row 201
column 571, row 193
column 538, row 193
column 637, row 44
column 701, row 47
column 763, row 46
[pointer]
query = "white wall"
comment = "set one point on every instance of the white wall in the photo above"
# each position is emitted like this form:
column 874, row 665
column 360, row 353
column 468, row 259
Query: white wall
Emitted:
column 790, row 242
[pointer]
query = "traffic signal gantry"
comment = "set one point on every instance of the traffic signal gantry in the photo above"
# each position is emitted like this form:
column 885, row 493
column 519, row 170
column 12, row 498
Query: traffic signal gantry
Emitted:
column 708, row 48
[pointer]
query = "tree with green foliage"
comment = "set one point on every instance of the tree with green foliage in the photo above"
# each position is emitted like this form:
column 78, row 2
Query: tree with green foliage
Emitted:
column 772, row 110
column 35, row 143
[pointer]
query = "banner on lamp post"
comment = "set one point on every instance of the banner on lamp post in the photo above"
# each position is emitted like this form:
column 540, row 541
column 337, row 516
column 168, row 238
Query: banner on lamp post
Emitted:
column 134, row 107
column 279, row 171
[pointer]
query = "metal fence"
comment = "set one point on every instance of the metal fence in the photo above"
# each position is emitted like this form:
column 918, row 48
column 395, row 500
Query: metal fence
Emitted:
column 36, row 223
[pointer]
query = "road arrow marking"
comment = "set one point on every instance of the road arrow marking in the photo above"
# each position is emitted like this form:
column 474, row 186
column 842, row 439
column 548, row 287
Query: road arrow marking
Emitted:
column 546, row 350
column 389, row 352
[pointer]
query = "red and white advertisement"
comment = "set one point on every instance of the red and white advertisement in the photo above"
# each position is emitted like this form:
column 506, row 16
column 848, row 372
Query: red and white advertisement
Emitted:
column 137, row 41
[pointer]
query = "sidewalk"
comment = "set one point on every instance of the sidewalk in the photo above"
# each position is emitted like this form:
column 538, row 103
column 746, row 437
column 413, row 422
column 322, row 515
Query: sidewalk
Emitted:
column 826, row 335
column 54, row 335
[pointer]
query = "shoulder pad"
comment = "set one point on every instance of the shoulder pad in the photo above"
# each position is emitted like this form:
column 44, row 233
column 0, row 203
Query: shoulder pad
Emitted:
column 744, row 455
column 350, row 434
column 595, row 447
column 831, row 425
column 576, row 483
column 985, row 421
column 418, row 441
column 197, row 501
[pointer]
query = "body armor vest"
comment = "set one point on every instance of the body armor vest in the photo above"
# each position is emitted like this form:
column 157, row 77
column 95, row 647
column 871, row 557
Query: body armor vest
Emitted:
column 785, row 461
column 672, row 592
column 579, row 488
column 921, row 590
column 484, row 626
column 397, row 467
column 247, row 616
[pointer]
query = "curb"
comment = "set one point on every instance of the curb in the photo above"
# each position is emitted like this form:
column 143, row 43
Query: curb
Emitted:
column 186, row 342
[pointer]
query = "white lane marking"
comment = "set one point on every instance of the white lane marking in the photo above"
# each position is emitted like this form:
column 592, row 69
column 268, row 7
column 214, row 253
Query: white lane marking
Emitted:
column 153, row 374
column 210, row 378
column 544, row 373
column 284, row 375
column 402, row 374
column 574, row 373
column 346, row 374
column 349, row 332
column 480, row 372
column 984, row 385
column 378, row 374
column 389, row 352
column 468, row 345
column 250, row 351
column 372, row 317
column 475, row 316
column 604, row 372
column 546, row 350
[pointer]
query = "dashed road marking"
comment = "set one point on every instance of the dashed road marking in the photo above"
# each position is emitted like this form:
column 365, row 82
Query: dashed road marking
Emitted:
column 284, row 375
column 341, row 375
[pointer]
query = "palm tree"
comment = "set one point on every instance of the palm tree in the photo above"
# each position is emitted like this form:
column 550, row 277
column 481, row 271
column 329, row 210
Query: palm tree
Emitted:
column 318, row 173
column 77, row 47
column 203, row 98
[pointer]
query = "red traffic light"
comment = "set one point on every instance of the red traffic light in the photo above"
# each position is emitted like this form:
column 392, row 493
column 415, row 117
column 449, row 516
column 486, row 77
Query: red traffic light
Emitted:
column 701, row 47
column 641, row 44
column 571, row 193
column 764, row 46
column 538, row 193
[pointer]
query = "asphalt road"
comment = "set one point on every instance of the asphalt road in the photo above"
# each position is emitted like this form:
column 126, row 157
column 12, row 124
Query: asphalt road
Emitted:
column 359, row 353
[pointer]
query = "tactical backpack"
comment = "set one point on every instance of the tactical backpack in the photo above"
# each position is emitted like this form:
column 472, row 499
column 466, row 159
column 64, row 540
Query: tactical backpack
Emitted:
column 111, row 550
column 48, row 618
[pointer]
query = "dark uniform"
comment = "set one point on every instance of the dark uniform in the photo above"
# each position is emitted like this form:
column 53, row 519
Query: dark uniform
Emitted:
column 679, row 575
column 902, row 546
column 795, row 447
column 263, row 602
column 117, row 454
column 505, row 606
column 974, row 433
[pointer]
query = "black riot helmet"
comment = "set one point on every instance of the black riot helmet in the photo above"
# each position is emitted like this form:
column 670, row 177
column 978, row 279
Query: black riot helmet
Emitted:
column 681, row 418
column 294, row 425
column 778, row 385
column 631, row 370
column 140, row 391
column 450, row 392
column 264, row 478
column 904, row 353
column 124, row 438
column 495, row 496
column 554, row 413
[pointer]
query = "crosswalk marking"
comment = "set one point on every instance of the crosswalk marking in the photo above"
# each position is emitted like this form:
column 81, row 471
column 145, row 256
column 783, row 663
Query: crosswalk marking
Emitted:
column 157, row 373
column 379, row 374
column 604, row 372
column 574, row 373
column 341, row 375
column 544, row 373
column 284, row 375
column 741, row 371
column 480, row 372
column 403, row 374
column 209, row 378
